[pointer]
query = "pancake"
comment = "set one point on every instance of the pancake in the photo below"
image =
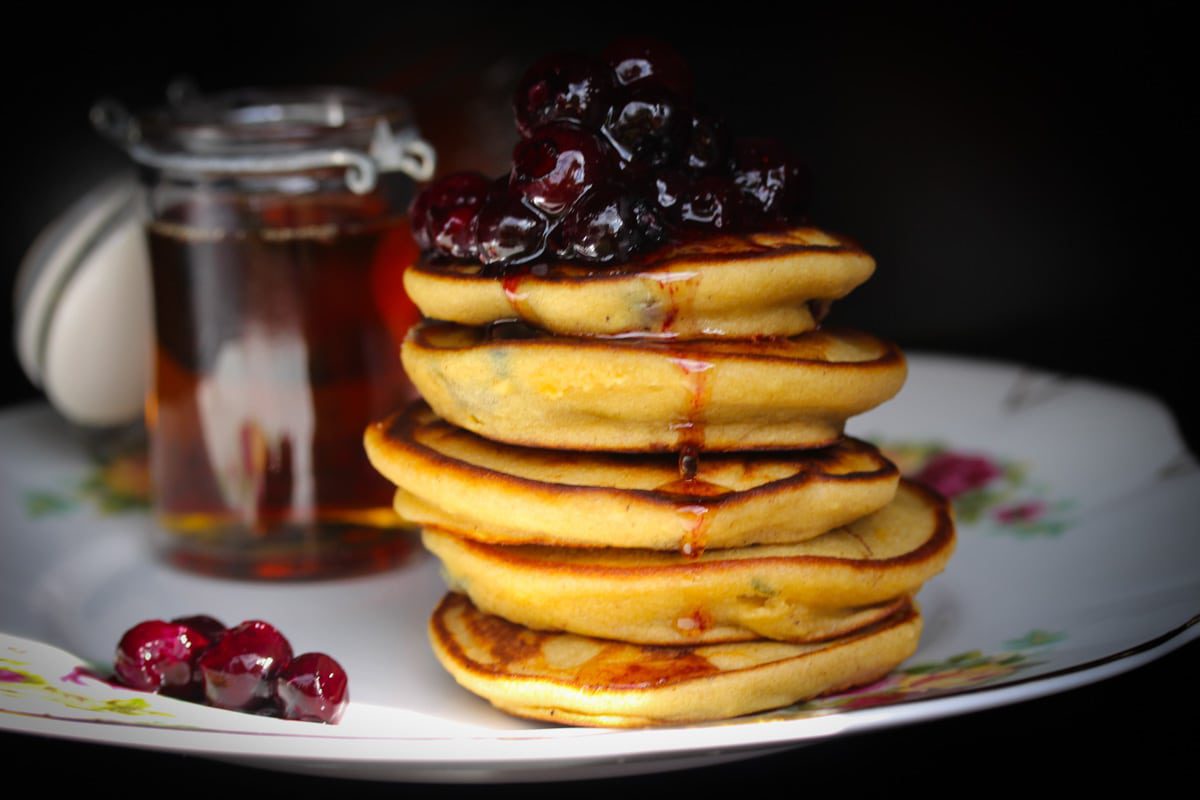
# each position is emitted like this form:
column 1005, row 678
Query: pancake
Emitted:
column 749, row 285
column 824, row 587
column 560, row 677
column 505, row 494
column 640, row 395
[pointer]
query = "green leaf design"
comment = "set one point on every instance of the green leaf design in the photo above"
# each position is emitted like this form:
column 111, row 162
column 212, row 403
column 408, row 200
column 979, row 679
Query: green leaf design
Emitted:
column 1035, row 638
column 1015, row 472
column 971, row 506
column 132, row 707
column 41, row 503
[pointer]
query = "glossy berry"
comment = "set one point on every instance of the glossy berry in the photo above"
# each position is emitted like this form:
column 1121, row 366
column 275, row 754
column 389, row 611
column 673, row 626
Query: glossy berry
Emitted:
column 712, row 202
column 157, row 656
column 616, row 157
column 667, row 190
column 563, row 87
column 708, row 144
column 609, row 226
column 557, row 164
column 508, row 231
column 645, row 61
column 239, row 671
column 650, row 125
column 443, row 214
column 210, row 627
column 313, row 688
column 770, row 179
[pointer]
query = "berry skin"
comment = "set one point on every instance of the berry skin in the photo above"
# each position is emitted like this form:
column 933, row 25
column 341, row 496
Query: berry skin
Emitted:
column 557, row 164
column 212, row 628
column 648, row 124
column 563, row 87
column 712, row 202
column 239, row 671
column 641, row 60
column 616, row 157
column 667, row 190
column 609, row 226
column 313, row 688
column 443, row 214
column 708, row 146
column 772, row 182
column 157, row 656
column 508, row 231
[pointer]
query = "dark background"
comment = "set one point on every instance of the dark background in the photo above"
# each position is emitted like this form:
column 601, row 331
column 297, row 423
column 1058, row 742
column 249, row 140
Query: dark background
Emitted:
column 1023, row 175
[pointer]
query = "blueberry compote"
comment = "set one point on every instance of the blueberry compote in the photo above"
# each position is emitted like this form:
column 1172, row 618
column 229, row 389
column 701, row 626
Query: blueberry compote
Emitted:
column 616, row 159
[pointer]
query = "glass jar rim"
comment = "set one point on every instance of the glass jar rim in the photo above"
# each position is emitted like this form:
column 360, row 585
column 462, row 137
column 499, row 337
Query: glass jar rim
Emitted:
column 263, row 120
column 257, row 131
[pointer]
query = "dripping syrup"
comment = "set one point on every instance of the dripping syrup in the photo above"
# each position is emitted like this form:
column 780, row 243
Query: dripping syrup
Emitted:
column 693, row 508
column 689, row 462
column 693, row 491
column 681, row 291
column 511, row 284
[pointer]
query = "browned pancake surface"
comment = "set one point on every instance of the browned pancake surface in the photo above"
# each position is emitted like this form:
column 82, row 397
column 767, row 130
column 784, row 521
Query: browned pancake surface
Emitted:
column 502, row 493
column 774, row 283
column 639, row 395
column 809, row 591
column 574, row 679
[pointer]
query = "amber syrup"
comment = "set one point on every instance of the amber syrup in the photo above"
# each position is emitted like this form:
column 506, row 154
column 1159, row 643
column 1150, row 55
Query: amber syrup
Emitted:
column 274, row 349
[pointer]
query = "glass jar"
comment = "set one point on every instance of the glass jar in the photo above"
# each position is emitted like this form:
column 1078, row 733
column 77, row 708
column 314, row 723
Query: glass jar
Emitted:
column 277, row 240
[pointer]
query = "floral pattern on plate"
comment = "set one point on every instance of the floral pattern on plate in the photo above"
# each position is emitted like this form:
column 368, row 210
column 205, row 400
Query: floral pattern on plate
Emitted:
column 80, row 689
column 114, row 485
column 985, row 489
column 961, row 671
column 945, row 676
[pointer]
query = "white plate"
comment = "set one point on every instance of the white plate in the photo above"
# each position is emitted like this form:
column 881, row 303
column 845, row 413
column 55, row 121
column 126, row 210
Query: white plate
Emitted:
column 1078, row 559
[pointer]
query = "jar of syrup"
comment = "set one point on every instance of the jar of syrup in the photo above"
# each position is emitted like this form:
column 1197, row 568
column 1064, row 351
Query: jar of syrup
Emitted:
column 277, row 239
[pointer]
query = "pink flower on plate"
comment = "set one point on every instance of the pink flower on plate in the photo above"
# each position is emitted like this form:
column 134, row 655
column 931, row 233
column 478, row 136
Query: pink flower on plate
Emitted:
column 953, row 474
column 1022, row 512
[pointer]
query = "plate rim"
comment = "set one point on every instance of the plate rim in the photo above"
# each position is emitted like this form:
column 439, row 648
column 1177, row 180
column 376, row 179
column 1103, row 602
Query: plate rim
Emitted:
column 955, row 703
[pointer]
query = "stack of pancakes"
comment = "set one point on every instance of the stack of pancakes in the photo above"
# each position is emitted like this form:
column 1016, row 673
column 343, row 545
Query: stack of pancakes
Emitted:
column 637, row 483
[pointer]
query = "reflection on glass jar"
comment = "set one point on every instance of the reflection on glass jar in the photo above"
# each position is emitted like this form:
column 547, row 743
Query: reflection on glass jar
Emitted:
column 278, row 310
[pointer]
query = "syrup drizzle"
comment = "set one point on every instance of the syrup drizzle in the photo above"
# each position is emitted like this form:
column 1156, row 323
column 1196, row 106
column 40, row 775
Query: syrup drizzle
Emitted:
column 694, row 624
column 689, row 462
column 511, row 283
column 695, row 534
column 695, row 380
column 693, row 491
column 694, row 510
column 681, row 291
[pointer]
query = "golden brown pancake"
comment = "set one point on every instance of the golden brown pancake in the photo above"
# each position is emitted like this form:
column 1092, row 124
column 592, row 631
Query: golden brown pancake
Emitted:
column 561, row 677
column 824, row 587
column 639, row 395
column 747, row 285
column 500, row 493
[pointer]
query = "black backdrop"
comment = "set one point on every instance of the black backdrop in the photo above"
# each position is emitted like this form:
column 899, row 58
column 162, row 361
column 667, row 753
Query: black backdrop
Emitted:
column 1023, row 175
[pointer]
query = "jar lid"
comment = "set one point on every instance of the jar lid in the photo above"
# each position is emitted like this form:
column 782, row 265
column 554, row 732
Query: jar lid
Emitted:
column 273, row 131
column 83, row 312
